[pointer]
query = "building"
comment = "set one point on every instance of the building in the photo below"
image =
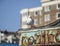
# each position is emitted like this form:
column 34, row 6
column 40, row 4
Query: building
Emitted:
column 47, row 13
column 8, row 37
column 40, row 26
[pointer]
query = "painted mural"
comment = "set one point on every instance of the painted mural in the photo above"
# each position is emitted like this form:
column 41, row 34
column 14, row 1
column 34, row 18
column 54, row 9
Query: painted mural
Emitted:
column 39, row 37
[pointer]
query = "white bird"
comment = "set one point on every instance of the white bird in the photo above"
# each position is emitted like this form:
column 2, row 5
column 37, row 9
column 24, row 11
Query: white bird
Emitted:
column 29, row 20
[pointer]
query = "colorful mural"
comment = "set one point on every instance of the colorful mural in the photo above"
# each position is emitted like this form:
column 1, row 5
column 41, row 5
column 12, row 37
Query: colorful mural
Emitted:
column 29, row 38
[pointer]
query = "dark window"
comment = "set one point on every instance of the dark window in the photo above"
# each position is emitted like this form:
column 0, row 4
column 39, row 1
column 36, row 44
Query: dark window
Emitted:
column 52, row 0
column 36, row 12
column 49, row 7
column 58, row 15
column 58, row 5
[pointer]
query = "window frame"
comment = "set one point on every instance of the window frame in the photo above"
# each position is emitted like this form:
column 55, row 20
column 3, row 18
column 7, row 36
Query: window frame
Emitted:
column 46, row 18
column 40, row 21
column 24, row 18
column 57, row 15
column 35, row 13
column 35, row 22
column 40, row 13
column 51, row 0
column 57, row 6
column 47, row 8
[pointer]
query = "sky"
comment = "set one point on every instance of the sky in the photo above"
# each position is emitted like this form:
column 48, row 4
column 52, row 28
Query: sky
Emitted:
column 10, row 12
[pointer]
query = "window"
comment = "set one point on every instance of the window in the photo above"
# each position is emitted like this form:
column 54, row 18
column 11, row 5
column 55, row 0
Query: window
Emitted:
column 47, row 17
column 58, row 15
column 47, row 8
column 58, row 6
column 52, row 0
column 40, row 13
column 25, row 14
column 40, row 20
column 24, row 18
column 35, row 13
column 35, row 22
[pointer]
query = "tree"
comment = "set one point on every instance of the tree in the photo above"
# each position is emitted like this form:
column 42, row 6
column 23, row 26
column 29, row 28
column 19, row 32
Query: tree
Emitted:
column 6, row 32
